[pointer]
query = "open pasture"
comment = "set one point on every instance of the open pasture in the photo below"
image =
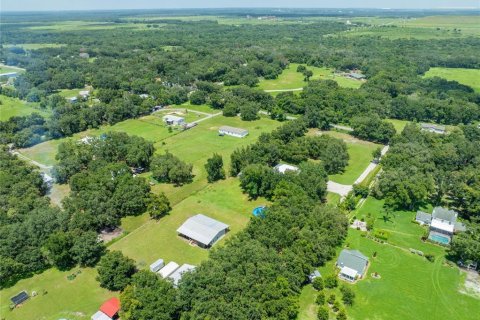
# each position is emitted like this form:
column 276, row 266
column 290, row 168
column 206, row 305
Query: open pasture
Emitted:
column 35, row 46
column 290, row 79
column 57, row 297
column 222, row 200
column 468, row 77
column 13, row 107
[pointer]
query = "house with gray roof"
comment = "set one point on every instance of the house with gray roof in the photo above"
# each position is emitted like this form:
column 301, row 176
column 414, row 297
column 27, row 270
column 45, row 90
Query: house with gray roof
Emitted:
column 352, row 264
column 442, row 223
column 423, row 218
column 203, row 230
column 356, row 76
column 433, row 128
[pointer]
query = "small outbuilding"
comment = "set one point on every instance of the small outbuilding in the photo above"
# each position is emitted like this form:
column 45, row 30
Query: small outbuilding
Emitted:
column 232, row 131
column 172, row 120
column 433, row 128
column 108, row 310
column 356, row 76
column 203, row 230
column 168, row 269
column 19, row 298
column 315, row 274
column 157, row 265
column 282, row 168
column 176, row 276
column 352, row 264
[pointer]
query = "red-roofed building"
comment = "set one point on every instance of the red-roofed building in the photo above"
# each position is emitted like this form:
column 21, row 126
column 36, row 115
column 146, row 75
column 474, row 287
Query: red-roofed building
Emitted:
column 108, row 310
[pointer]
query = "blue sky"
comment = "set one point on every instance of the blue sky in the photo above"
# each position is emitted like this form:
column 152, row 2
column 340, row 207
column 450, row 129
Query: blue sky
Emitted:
column 35, row 5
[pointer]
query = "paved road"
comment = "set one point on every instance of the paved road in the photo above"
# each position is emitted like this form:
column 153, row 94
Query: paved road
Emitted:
column 343, row 189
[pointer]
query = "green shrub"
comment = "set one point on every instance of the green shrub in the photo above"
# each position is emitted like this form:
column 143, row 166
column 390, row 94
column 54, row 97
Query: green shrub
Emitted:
column 320, row 300
column 331, row 282
column 331, row 299
column 318, row 283
column 322, row 313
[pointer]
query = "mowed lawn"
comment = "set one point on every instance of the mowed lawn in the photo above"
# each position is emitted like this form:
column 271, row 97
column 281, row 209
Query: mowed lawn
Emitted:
column 398, row 124
column 410, row 286
column 291, row 79
column 13, row 107
column 223, row 201
column 70, row 299
column 360, row 153
column 149, row 127
column 468, row 77
column 35, row 46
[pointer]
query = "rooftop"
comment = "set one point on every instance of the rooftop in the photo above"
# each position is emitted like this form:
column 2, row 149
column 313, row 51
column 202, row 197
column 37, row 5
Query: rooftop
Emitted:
column 168, row 269
column 99, row 315
column 177, row 274
column 111, row 307
column 423, row 217
column 282, row 168
column 429, row 126
column 202, row 228
column 353, row 259
column 171, row 117
column 349, row 272
column 444, row 214
column 233, row 130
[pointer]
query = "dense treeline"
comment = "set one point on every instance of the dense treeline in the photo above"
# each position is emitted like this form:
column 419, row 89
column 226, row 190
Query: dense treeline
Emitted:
column 185, row 60
column 35, row 235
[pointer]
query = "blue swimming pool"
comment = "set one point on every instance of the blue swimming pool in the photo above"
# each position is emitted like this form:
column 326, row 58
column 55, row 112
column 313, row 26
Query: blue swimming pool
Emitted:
column 258, row 212
column 439, row 238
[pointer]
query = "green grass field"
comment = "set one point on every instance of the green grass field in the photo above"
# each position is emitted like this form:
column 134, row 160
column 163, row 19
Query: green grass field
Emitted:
column 223, row 200
column 291, row 79
column 8, row 69
column 398, row 124
column 360, row 157
column 427, row 290
column 468, row 77
column 35, row 46
column 13, row 107
column 63, row 26
column 75, row 299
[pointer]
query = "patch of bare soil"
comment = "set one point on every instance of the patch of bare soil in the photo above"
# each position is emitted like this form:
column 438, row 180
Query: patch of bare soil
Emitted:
column 107, row 236
column 472, row 284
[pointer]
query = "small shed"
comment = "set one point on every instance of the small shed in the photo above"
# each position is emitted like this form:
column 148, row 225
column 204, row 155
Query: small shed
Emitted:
column 232, row 131
column 204, row 230
column 111, row 307
column 157, row 265
column 433, row 128
column 176, row 276
column 99, row 315
column 168, row 269
column 313, row 275
column 19, row 298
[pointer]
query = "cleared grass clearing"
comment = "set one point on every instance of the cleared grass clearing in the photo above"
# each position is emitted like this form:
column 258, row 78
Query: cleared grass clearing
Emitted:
column 223, row 200
column 62, row 26
column 468, row 77
column 399, row 32
column 150, row 127
column 307, row 306
column 75, row 299
column 35, row 46
column 360, row 157
column 291, row 79
column 398, row 124
column 13, row 107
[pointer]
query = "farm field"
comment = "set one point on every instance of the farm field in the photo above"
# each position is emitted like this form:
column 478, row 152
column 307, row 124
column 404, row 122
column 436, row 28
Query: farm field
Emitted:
column 63, row 26
column 467, row 24
column 428, row 290
column 291, row 79
column 360, row 157
column 35, row 46
column 84, row 296
column 468, row 77
column 223, row 201
column 8, row 69
column 399, row 32
column 13, row 107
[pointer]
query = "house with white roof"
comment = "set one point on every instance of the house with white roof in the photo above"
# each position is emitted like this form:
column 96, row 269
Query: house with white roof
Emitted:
column 282, row 168
column 173, row 120
column 442, row 223
column 168, row 269
column 202, row 230
column 177, row 275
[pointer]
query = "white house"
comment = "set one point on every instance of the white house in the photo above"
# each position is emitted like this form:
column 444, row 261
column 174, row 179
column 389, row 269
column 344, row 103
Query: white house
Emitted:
column 173, row 120
column 168, row 269
column 232, row 131
column 84, row 94
column 203, row 230
column 442, row 223
column 282, row 168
